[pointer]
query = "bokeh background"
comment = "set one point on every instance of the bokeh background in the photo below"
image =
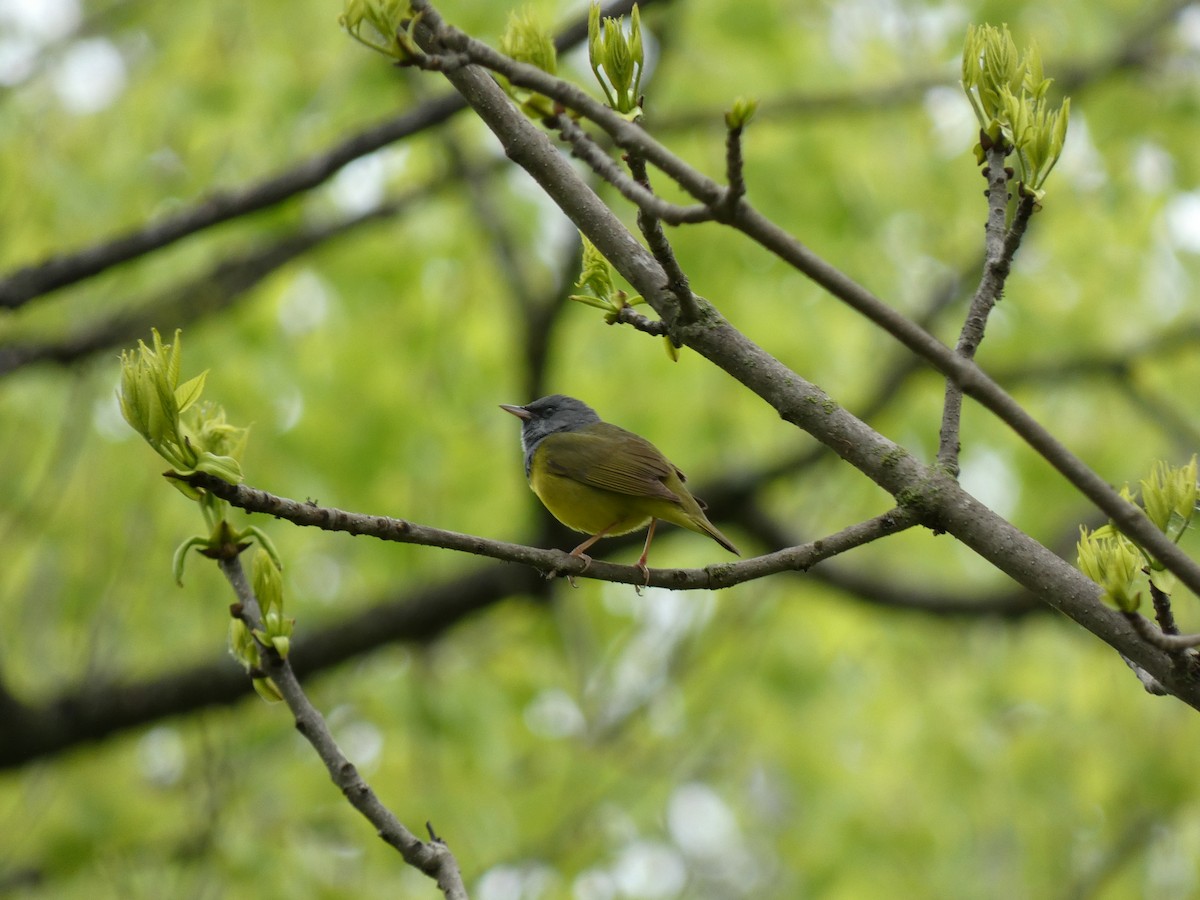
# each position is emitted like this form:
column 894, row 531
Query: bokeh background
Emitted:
column 900, row 722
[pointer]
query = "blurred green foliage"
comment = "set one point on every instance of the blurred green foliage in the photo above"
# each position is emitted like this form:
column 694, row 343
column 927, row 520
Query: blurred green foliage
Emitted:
column 835, row 749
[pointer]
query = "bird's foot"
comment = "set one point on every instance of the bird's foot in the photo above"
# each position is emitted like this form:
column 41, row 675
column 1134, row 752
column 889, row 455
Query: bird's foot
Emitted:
column 645, row 570
column 558, row 570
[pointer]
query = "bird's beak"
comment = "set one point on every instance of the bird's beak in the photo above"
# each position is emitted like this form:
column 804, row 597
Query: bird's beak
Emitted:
column 519, row 411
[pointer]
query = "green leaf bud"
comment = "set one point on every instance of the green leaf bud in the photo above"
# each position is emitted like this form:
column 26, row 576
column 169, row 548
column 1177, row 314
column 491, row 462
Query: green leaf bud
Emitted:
column 1169, row 497
column 1009, row 98
column 743, row 111
column 1113, row 562
column 242, row 646
column 595, row 272
column 180, row 556
column 617, row 60
column 266, row 689
column 189, row 392
column 596, row 278
column 527, row 40
column 267, row 581
column 635, row 46
column 152, row 400
column 379, row 25
column 224, row 467
column 264, row 542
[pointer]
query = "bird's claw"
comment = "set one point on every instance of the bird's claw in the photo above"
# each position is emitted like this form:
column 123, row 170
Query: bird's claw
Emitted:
column 645, row 570
column 558, row 570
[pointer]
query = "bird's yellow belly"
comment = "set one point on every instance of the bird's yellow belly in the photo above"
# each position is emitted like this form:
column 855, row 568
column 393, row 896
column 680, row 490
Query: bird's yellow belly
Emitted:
column 588, row 509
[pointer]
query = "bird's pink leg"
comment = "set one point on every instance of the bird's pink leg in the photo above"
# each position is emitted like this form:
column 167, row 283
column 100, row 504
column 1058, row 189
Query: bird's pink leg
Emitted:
column 641, row 563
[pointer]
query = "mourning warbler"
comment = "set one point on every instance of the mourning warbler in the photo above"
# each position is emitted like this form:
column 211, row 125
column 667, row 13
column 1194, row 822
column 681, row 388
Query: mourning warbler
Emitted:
column 600, row 479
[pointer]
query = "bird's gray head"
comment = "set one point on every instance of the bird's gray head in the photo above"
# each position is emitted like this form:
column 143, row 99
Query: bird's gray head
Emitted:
column 547, row 416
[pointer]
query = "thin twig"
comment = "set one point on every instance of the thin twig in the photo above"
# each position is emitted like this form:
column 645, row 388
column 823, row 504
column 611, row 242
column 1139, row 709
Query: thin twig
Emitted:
column 997, row 260
column 1171, row 643
column 433, row 858
column 584, row 147
column 1162, row 610
column 881, row 588
column 555, row 562
column 735, row 171
column 656, row 239
column 627, row 316
column 1151, row 684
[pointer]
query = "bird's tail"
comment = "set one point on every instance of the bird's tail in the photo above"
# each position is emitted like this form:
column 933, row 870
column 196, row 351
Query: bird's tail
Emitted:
column 713, row 532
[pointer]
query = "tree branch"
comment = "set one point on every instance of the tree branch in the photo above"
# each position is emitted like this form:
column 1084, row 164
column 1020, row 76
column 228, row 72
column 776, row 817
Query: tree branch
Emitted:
column 433, row 857
column 584, row 147
column 937, row 500
column 656, row 239
column 552, row 562
column 883, row 589
column 529, row 148
column 998, row 254
column 627, row 315
column 992, row 537
column 97, row 709
column 22, row 285
column 219, row 288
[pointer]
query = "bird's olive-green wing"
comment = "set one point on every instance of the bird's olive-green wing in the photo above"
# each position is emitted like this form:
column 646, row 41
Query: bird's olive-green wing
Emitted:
column 613, row 459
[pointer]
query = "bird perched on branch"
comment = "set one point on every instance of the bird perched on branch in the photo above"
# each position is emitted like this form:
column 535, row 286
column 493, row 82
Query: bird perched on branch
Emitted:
column 603, row 480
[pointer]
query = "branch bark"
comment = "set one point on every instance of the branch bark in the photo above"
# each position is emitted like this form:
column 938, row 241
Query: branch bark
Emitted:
column 552, row 562
column 432, row 857
column 935, row 499
column 530, row 149
column 29, row 282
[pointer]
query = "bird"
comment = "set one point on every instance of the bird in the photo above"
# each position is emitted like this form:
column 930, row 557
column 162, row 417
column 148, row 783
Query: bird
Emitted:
column 602, row 480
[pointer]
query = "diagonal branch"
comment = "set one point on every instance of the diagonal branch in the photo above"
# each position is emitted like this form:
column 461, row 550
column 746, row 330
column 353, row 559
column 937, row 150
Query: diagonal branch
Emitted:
column 217, row 289
column 634, row 190
column 19, row 287
column 1000, row 248
column 656, row 239
column 882, row 589
column 937, row 500
column 432, row 857
column 24, row 284
column 220, row 287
